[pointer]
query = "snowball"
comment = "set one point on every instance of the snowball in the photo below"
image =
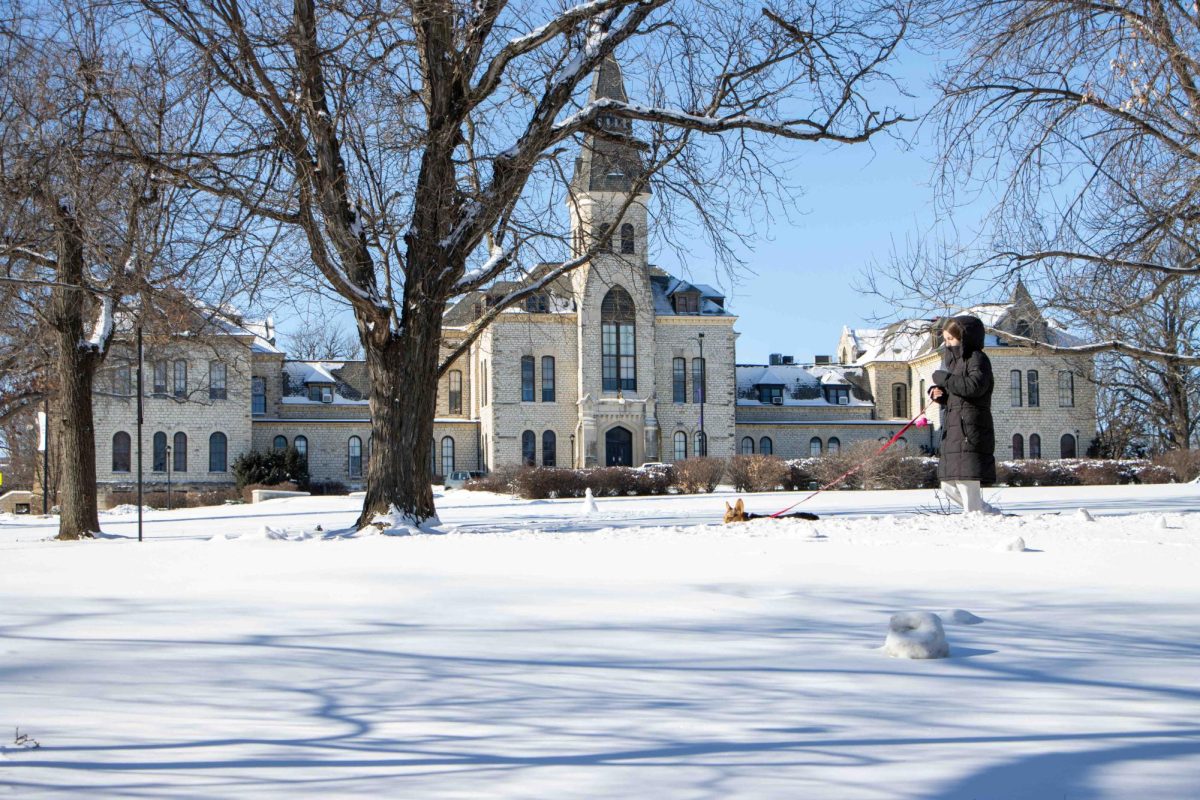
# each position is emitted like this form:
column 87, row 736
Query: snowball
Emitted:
column 916, row 634
column 1016, row 545
column 958, row 616
column 1084, row 515
column 589, row 503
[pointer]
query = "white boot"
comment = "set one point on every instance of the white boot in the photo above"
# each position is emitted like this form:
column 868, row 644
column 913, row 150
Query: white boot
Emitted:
column 972, row 497
column 951, row 491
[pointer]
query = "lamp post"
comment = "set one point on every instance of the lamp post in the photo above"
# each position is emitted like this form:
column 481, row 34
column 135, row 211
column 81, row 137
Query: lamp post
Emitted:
column 573, row 464
column 168, row 477
column 140, row 354
column 45, row 456
column 703, row 391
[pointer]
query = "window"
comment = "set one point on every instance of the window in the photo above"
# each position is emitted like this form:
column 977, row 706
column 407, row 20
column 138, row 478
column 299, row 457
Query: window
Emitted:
column 814, row 446
column 701, row 448
column 180, row 379
column 627, row 238
column 528, row 448
column 687, row 303
column 747, row 446
column 319, row 393
column 547, row 379
column 604, row 238
column 258, row 396
column 354, row 457
column 280, row 443
column 1018, row 446
column 1066, row 388
column 698, row 381
column 923, row 397
column 160, row 377
column 770, row 394
column 679, row 380
column 120, row 452
column 765, row 446
column 834, row 446
column 216, row 382
column 527, row 379
column 447, row 455
column 549, row 449
column 301, row 445
column 1035, row 446
column 179, row 452
column 1024, row 328
column 680, row 445
column 121, row 381
column 618, row 363
column 537, row 303
column 1014, row 380
column 900, row 400
column 454, row 384
column 218, row 452
column 1031, row 388
column 837, row 395
column 1066, row 446
column 159, row 460
column 483, row 384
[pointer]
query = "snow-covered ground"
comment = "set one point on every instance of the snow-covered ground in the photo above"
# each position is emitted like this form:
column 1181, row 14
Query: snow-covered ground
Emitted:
column 640, row 651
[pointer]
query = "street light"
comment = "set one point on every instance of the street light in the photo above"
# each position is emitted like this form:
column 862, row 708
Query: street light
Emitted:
column 572, row 451
column 703, row 391
column 168, row 477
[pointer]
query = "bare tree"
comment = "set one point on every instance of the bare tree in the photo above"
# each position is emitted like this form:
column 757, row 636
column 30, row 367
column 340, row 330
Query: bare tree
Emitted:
column 323, row 343
column 419, row 149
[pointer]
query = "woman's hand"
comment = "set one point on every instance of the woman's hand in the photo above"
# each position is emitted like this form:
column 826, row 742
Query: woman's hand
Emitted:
column 937, row 394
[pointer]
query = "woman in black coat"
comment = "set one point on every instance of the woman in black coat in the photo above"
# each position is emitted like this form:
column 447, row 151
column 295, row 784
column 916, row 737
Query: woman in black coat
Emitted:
column 963, row 386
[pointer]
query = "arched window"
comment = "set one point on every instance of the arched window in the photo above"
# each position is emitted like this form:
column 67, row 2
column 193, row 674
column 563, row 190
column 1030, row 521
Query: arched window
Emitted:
column 1018, row 446
column 701, row 447
column 834, row 446
column 549, row 449
column 447, row 455
column 301, row 445
column 280, row 443
column 1066, row 446
column 120, row 452
column 159, row 461
column 679, row 380
column 528, row 448
column 179, row 452
column 765, row 446
column 1014, row 381
column 1066, row 388
column 747, row 446
column 626, row 238
column 354, row 457
column 680, row 445
column 814, row 446
column 1031, row 389
column 618, row 349
column 454, row 391
column 218, row 452
column 900, row 400
column 547, row 379
column 1035, row 446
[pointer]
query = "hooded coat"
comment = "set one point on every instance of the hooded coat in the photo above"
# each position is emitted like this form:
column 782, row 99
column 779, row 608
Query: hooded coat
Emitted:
column 968, row 434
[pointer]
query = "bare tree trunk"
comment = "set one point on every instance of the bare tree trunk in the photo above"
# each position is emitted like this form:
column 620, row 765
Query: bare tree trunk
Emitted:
column 76, row 365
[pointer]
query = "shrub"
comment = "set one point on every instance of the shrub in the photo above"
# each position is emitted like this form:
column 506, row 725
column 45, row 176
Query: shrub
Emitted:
column 1101, row 473
column 693, row 475
column 271, row 468
column 758, row 473
column 802, row 474
column 1153, row 473
column 499, row 480
column 536, row 483
column 1036, row 472
column 1185, row 464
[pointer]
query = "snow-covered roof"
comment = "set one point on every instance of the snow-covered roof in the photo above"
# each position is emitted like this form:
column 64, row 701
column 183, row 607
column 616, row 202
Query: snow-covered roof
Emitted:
column 663, row 286
column 900, row 341
column 802, row 383
column 306, row 372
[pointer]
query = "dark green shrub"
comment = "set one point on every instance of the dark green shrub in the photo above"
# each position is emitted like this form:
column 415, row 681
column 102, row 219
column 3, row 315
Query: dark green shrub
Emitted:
column 270, row 468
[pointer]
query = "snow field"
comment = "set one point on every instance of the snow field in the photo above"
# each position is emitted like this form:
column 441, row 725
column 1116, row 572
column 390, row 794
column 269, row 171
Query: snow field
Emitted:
column 638, row 650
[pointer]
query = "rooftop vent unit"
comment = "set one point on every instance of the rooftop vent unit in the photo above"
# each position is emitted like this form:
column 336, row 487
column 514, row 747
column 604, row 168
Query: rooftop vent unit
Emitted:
column 822, row 359
column 789, row 360
column 777, row 400
column 778, row 359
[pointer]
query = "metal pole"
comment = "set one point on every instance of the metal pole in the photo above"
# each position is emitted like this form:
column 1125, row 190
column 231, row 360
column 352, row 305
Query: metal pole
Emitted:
column 703, row 391
column 46, row 458
column 168, row 477
column 140, row 394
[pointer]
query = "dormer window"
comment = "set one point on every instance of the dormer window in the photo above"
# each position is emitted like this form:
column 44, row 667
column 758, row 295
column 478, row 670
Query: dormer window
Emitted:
column 687, row 303
column 837, row 395
column 537, row 304
column 770, row 393
column 319, row 393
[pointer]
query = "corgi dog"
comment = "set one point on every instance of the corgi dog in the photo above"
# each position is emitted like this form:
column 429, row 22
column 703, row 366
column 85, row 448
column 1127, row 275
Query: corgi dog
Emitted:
column 738, row 513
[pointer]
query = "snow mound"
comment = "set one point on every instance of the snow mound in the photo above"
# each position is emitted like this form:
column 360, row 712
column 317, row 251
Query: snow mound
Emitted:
column 959, row 616
column 1016, row 545
column 588, row 506
column 125, row 509
column 396, row 523
column 916, row 634
column 1083, row 515
column 1162, row 524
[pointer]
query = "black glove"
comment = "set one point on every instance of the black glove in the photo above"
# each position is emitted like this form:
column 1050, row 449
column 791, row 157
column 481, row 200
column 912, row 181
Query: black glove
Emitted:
column 940, row 377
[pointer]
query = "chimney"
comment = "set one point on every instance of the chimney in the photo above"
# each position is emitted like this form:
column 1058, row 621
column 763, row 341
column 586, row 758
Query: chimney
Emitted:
column 822, row 359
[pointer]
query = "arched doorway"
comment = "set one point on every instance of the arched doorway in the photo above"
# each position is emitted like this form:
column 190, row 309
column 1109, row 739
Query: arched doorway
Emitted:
column 618, row 448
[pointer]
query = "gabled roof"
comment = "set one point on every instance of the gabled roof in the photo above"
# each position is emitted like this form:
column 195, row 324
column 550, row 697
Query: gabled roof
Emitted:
column 802, row 383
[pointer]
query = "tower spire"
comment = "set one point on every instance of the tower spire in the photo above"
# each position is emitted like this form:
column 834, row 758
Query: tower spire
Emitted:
column 605, row 162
